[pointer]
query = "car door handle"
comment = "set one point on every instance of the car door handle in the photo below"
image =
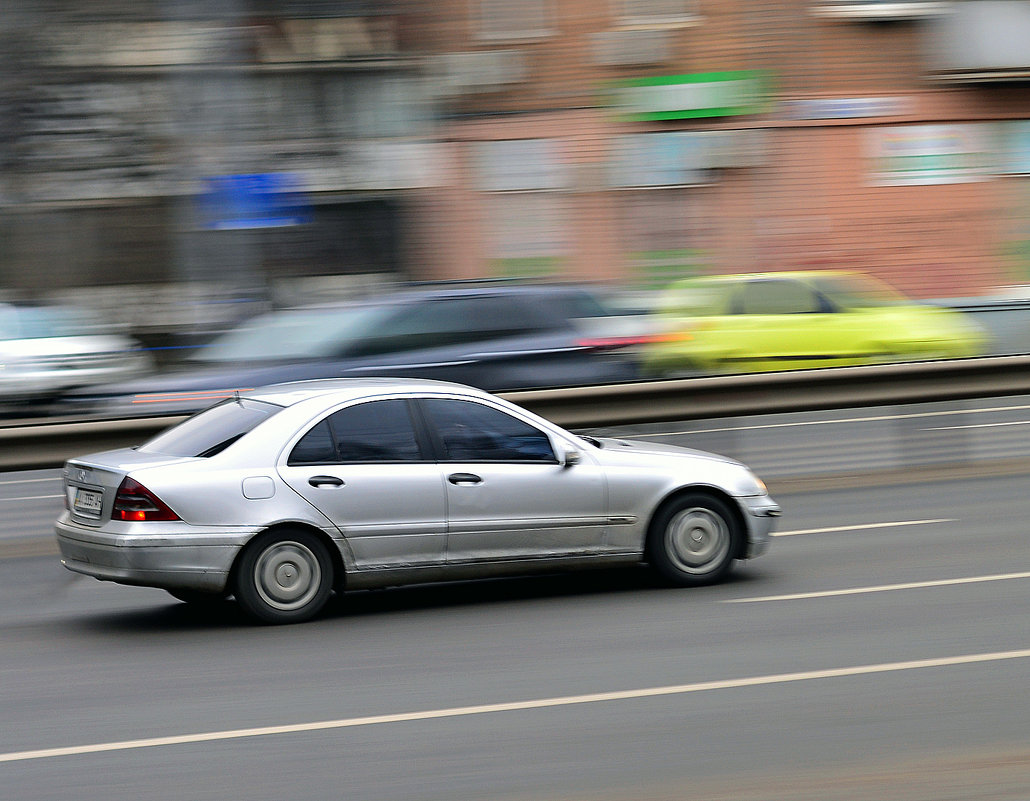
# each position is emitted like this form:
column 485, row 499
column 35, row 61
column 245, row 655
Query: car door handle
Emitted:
column 321, row 481
column 464, row 478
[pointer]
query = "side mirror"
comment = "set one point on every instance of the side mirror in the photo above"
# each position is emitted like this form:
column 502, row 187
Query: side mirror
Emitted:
column 572, row 457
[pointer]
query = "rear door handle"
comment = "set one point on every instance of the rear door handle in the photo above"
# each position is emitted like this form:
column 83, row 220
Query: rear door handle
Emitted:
column 464, row 478
column 321, row 481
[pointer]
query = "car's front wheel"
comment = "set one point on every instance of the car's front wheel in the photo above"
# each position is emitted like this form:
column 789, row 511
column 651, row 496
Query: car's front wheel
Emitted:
column 284, row 576
column 694, row 540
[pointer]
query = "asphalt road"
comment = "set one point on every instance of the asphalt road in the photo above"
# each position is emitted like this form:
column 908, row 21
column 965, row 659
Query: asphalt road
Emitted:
column 896, row 667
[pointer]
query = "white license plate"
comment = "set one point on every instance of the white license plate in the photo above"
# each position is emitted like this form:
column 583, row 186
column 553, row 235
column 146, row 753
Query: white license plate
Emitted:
column 88, row 502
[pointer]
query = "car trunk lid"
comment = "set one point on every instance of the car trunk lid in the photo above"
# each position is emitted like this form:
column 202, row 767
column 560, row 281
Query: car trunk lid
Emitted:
column 91, row 482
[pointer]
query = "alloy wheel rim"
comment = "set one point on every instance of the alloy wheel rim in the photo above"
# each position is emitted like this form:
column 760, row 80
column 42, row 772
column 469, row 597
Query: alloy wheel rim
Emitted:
column 287, row 575
column 697, row 539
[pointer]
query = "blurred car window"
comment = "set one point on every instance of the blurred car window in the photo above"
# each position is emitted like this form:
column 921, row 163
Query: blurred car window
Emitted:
column 858, row 291
column 375, row 432
column 212, row 432
column 295, row 334
column 471, row 432
column 695, row 296
column 577, row 305
column 773, row 296
column 450, row 321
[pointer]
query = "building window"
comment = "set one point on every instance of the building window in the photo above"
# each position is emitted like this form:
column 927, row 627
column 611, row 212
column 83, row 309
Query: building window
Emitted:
column 664, row 234
column 656, row 12
column 523, row 182
column 527, row 233
column 513, row 20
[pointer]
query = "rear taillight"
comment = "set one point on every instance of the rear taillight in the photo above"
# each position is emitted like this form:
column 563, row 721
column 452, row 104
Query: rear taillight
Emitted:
column 612, row 343
column 135, row 502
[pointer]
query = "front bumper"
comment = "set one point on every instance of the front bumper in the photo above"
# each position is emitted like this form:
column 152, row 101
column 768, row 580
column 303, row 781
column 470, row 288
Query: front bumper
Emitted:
column 176, row 557
column 761, row 515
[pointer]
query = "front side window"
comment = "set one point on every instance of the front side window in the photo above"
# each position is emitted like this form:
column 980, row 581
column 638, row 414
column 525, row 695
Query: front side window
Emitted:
column 471, row 432
column 378, row 431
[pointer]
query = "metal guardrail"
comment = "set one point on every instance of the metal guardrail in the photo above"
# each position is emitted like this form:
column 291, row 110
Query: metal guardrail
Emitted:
column 47, row 444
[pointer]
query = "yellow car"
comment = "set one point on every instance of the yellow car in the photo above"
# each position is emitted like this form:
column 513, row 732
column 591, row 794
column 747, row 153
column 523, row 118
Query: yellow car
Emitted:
column 795, row 320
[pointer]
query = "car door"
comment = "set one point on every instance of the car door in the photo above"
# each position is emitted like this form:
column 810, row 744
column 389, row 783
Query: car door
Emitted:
column 365, row 468
column 509, row 495
column 784, row 324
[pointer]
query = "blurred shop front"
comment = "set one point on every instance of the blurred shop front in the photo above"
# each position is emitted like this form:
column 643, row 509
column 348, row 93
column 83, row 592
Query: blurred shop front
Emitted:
column 126, row 116
column 634, row 189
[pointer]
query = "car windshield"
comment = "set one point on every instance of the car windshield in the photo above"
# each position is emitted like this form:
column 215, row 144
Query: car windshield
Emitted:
column 858, row 291
column 694, row 298
column 295, row 334
column 213, row 430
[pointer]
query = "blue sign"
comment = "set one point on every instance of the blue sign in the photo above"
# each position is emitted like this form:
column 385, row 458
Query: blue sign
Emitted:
column 260, row 200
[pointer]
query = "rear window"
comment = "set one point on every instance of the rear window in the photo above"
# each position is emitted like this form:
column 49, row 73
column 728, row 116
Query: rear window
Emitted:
column 213, row 430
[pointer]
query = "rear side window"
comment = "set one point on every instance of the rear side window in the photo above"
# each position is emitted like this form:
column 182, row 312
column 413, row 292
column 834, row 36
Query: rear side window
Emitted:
column 212, row 430
column 379, row 431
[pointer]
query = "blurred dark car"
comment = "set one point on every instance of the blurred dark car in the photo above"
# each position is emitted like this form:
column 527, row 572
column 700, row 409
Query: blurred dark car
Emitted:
column 494, row 338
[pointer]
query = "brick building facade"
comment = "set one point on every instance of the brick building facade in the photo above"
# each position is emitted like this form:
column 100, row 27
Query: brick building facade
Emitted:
column 624, row 140
column 872, row 148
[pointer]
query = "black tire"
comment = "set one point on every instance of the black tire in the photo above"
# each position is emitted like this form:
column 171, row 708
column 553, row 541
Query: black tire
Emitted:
column 197, row 597
column 284, row 576
column 694, row 540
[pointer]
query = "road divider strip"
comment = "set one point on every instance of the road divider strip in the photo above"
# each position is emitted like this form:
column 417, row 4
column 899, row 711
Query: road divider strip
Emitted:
column 48, row 444
column 879, row 418
column 861, row 527
column 515, row 706
column 911, row 585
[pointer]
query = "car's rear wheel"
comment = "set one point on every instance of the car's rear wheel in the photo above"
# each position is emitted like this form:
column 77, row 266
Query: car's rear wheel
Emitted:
column 694, row 540
column 284, row 576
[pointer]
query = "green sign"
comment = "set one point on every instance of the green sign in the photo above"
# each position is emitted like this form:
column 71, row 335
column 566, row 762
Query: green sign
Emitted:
column 677, row 97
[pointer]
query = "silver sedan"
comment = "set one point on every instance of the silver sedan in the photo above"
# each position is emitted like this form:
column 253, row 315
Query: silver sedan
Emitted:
column 286, row 494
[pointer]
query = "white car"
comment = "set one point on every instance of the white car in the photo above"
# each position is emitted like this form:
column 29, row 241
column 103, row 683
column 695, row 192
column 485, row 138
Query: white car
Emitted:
column 282, row 495
column 46, row 350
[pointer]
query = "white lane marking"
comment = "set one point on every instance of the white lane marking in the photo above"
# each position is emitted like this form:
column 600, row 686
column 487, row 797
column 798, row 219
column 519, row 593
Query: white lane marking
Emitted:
column 862, row 527
column 31, row 498
column 981, row 425
column 517, row 706
column 912, row 585
column 800, row 423
column 29, row 480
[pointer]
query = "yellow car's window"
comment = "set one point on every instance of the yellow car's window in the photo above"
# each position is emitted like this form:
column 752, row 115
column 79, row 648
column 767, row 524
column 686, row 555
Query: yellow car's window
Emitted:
column 778, row 297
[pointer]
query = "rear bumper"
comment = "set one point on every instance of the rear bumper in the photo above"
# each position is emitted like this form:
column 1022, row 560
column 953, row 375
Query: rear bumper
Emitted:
column 167, row 559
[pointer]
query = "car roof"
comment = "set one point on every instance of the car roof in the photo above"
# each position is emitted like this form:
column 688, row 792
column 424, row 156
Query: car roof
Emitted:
column 343, row 389
column 735, row 277
column 414, row 294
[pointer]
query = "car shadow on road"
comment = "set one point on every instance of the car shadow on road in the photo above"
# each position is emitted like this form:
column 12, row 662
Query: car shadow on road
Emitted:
column 175, row 616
